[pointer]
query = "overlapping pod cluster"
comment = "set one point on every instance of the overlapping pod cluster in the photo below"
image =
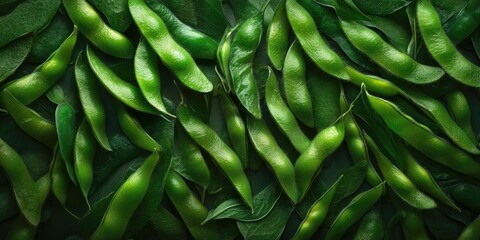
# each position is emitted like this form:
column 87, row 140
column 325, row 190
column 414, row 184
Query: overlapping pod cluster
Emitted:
column 148, row 116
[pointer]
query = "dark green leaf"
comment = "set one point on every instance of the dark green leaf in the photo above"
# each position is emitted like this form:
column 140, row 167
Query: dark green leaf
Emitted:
column 263, row 203
column 116, row 12
column 49, row 39
column 29, row 16
column 270, row 227
column 381, row 7
column 13, row 55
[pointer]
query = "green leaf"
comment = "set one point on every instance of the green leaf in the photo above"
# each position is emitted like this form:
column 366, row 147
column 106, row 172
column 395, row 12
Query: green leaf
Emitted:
column 29, row 16
column 381, row 7
column 162, row 131
column 351, row 181
column 49, row 39
column 66, row 130
column 263, row 203
column 13, row 55
column 116, row 13
column 270, row 227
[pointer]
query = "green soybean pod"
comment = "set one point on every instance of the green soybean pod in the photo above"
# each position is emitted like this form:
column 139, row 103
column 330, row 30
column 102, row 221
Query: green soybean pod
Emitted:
column 356, row 145
column 460, row 110
column 422, row 178
column 134, row 131
column 472, row 231
column 312, row 42
column 413, row 225
column 191, row 210
column 371, row 227
column 25, row 190
column 265, row 144
column 423, row 139
column 89, row 94
column 316, row 214
column 30, row 87
column 359, row 205
column 121, row 90
column 127, row 198
column 170, row 52
column 442, row 49
column 283, row 116
column 59, row 177
column 235, row 127
column 277, row 36
column 148, row 76
column 310, row 161
column 374, row 84
column 30, row 121
column 464, row 23
column 437, row 112
column 295, row 85
column 243, row 47
column 83, row 155
column 389, row 58
column 223, row 57
column 198, row 44
column 189, row 161
column 91, row 25
column 400, row 183
column 224, row 156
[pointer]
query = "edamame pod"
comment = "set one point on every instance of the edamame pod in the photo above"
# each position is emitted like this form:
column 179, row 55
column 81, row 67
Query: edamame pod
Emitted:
column 312, row 42
column 83, row 155
column 127, row 198
column 235, row 127
column 148, row 76
column 30, row 121
column 400, row 183
column 27, row 193
column 121, row 90
column 442, row 49
column 295, row 85
column 283, row 116
column 170, row 52
column 310, row 161
column 191, row 210
column 422, row 178
column 373, row 84
column 423, row 139
column 89, row 93
column 356, row 144
column 396, row 62
column 316, row 214
column 134, row 131
column 267, row 147
column 30, row 87
column 472, row 231
column 195, row 42
column 277, row 36
column 359, row 205
column 96, row 30
column 223, row 155
column 460, row 110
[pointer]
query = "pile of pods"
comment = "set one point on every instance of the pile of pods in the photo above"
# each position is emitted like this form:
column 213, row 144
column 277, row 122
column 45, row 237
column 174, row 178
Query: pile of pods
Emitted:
column 239, row 119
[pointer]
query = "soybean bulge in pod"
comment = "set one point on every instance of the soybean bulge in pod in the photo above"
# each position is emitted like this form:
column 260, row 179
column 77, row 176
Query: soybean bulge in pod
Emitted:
column 174, row 56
